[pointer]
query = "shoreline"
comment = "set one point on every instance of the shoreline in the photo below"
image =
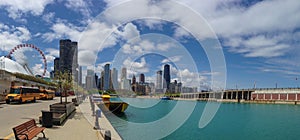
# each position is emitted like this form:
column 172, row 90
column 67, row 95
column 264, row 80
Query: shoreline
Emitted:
column 280, row 102
column 104, row 123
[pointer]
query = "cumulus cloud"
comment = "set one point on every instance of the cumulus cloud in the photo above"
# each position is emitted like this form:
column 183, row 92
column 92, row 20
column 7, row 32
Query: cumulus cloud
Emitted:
column 81, row 6
column 17, row 8
column 63, row 30
column 48, row 17
column 51, row 54
column 173, row 59
column 12, row 36
column 135, row 67
column 229, row 19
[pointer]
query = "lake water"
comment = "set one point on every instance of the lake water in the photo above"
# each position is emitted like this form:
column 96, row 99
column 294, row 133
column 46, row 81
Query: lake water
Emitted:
column 232, row 121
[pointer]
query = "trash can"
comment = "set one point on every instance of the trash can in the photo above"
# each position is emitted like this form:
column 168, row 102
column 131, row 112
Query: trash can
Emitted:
column 47, row 119
column 107, row 135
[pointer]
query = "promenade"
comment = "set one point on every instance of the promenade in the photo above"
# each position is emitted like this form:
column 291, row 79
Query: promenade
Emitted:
column 78, row 126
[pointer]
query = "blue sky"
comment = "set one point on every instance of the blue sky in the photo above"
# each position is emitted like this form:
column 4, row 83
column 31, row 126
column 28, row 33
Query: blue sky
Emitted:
column 259, row 39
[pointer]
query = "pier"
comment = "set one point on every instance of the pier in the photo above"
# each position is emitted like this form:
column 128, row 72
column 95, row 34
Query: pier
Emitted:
column 267, row 95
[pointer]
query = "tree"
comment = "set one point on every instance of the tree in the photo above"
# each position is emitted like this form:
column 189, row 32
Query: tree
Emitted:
column 65, row 83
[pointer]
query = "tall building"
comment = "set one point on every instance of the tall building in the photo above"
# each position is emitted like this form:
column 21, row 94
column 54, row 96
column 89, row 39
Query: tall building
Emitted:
column 114, row 78
column 125, row 84
column 80, row 76
column 142, row 78
column 124, row 73
column 68, row 61
column 96, row 81
column 159, row 79
column 106, row 79
column 56, row 66
column 133, row 79
column 90, row 80
column 167, row 77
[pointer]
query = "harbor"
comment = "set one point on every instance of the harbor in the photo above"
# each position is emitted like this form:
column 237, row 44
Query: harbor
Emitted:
column 232, row 121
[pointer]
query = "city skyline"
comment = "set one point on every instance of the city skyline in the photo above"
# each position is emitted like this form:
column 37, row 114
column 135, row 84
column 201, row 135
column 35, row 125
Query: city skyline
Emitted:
column 116, row 82
column 258, row 51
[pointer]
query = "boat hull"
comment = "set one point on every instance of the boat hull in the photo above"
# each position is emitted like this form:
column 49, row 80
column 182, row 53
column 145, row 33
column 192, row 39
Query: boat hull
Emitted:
column 115, row 107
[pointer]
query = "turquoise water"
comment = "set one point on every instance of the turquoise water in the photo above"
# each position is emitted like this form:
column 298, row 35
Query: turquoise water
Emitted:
column 232, row 121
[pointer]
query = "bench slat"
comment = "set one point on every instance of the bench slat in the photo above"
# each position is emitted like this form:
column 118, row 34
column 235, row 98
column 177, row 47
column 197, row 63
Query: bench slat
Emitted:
column 28, row 129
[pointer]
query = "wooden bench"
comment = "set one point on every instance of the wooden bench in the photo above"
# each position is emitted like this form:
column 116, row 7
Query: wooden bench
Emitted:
column 27, row 130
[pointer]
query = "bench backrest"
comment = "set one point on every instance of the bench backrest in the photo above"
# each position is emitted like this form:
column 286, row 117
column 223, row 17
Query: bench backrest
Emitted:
column 27, row 126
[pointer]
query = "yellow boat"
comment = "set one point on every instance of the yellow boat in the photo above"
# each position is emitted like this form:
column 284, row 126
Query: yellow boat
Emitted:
column 113, row 103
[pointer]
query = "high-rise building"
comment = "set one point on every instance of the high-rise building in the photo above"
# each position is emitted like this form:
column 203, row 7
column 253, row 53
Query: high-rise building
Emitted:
column 159, row 79
column 125, row 84
column 133, row 79
column 90, row 81
column 114, row 78
column 80, row 76
column 124, row 73
column 101, row 79
column 167, row 77
column 96, row 81
column 106, row 79
column 68, row 61
column 142, row 78
column 56, row 66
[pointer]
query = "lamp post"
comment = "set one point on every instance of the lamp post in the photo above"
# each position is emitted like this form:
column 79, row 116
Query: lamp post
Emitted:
column 59, row 83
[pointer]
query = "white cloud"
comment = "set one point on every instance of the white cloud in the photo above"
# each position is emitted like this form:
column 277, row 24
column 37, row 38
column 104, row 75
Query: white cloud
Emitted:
column 144, row 46
column 63, row 30
column 49, row 17
column 231, row 20
column 86, row 57
column 259, row 46
column 52, row 51
column 152, row 23
column 130, row 31
column 173, row 59
column 180, row 33
column 12, row 36
column 16, row 8
column 51, row 54
column 134, row 67
column 38, row 69
column 81, row 6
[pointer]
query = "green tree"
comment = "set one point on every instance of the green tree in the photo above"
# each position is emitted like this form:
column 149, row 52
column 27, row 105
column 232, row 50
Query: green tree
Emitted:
column 65, row 83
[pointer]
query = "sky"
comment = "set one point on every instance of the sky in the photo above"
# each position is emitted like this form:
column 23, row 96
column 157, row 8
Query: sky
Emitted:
column 208, row 43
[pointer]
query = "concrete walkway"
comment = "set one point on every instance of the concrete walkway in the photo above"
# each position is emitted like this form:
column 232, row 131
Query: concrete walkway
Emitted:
column 103, row 121
column 75, row 128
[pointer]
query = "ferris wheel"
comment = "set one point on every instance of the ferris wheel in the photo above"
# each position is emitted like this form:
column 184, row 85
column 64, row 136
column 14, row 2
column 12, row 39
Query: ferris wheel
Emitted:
column 21, row 47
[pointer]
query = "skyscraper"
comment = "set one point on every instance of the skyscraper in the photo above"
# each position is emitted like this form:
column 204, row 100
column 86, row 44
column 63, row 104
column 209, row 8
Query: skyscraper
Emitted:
column 142, row 78
column 80, row 76
column 114, row 78
column 106, row 79
column 96, row 81
column 68, row 61
column 124, row 73
column 159, row 79
column 133, row 79
column 56, row 66
column 167, row 77
column 90, row 81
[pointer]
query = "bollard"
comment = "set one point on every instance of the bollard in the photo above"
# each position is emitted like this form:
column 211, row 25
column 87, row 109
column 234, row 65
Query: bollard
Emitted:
column 107, row 135
column 98, row 114
column 93, row 109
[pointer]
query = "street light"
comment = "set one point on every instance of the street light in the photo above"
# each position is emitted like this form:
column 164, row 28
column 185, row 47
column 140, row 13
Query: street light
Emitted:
column 59, row 83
